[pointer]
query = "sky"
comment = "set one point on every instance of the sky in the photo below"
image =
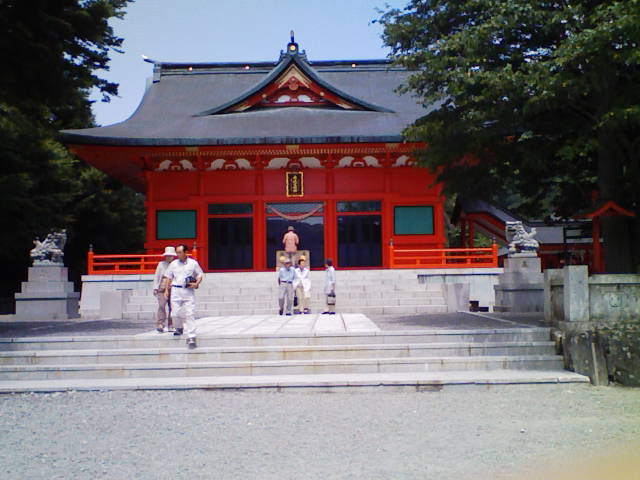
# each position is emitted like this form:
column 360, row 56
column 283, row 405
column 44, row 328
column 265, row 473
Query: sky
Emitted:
column 234, row 30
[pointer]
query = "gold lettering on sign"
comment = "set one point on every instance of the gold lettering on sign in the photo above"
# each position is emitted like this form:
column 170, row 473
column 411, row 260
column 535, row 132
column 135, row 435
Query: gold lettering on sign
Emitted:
column 294, row 184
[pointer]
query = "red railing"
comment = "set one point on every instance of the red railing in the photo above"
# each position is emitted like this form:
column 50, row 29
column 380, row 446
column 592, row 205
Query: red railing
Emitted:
column 400, row 257
column 125, row 264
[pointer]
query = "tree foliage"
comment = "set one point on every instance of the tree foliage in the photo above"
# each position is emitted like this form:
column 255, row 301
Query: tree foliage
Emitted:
column 534, row 104
column 52, row 51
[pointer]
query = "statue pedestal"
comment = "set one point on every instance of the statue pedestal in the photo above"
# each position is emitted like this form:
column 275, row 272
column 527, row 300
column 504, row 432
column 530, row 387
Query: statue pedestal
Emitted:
column 47, row 295
column 521, row 287
column 294, row 257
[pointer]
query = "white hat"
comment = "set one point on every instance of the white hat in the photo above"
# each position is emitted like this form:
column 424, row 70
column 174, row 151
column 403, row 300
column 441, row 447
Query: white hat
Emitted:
column 169, row 252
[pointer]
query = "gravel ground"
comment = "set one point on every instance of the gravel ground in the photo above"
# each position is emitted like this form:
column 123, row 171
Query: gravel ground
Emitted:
column 377, row 434
column 385, row 322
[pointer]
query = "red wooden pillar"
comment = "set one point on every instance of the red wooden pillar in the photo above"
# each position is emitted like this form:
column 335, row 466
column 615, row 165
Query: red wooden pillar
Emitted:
column 330, row 216
column 151, row 211
column 387, row 213
column 202, row 229
column 472, row 235
column 259, row 218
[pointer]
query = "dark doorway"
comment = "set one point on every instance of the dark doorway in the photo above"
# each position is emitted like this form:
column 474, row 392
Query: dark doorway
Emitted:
column 359, row 241
column 230, row 243
column 311, row 233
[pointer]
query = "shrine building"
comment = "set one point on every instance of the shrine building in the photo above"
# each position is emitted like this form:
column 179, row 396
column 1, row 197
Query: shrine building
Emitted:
column 231, row 154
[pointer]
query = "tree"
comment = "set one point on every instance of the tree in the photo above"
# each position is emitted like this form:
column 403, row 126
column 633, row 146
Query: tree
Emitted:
column 51, row 52
column 532, row 103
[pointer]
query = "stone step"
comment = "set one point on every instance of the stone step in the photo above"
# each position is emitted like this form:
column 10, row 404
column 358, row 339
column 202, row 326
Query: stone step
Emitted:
column 272, row 289
column 399, row 381
column 141, row 299
column 272, row 303
column 179, row 353
column 149, row 313
column 279, row 367
column 167, row 340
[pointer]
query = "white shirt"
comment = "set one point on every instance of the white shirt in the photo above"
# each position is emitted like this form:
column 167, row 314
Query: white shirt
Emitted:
column 286, row 274
column 160, row 269
column 302, row 277
column 330, row 280
column 178, row 271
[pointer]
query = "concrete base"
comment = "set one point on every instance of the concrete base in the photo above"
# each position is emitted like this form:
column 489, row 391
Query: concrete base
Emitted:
column 94, row 285
column 47, row 295
column 521, row 287
column 112, row 303
column 480, row 282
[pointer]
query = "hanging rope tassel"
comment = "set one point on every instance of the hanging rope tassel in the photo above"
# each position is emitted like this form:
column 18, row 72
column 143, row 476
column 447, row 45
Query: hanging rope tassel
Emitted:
column 295, row 217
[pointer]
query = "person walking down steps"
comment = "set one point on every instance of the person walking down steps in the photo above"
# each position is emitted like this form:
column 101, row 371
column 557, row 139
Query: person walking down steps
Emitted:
column 330, row 287
column 185, row 276
column 286, row 276
column 159, row 286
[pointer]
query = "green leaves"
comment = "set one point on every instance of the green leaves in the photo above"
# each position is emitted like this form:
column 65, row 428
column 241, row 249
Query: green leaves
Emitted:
column 52, row 53
column 543, row 95
column 523, row 86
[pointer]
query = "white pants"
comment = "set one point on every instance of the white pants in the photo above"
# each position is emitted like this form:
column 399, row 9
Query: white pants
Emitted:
column 183, row 303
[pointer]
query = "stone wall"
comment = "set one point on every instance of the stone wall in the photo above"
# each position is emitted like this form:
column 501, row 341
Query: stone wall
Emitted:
column 576, row 301
column 599, row 320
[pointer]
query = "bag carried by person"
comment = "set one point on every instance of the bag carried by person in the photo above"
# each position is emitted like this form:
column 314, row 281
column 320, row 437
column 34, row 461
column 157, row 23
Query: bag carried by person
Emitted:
column 331, row 299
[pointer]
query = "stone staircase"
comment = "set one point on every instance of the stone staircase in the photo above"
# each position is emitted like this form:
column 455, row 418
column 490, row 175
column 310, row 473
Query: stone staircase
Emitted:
column 424, row 359
column 256, row 293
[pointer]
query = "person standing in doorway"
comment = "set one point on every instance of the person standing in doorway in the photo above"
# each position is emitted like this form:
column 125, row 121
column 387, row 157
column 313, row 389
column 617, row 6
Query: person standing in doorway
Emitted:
column 286, row 276
column 330, row 287
column 290, row 242
column 302, row 285
column 159, row 287
column 185, row 276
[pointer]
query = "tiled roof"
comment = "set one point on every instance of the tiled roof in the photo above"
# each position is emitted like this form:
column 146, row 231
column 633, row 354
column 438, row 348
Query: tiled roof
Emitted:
column 183, row 106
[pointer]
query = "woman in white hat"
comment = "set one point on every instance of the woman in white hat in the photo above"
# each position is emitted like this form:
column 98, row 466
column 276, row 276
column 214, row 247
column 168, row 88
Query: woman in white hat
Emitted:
column 302, row 285
column 159, row 286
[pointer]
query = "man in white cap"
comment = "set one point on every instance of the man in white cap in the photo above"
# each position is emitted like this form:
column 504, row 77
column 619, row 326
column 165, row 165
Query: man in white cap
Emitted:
column 159, row 286
column 185, row 276
column 286, row 276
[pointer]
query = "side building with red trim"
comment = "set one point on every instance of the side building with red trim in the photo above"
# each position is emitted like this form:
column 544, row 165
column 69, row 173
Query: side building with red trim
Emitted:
column 230, row 154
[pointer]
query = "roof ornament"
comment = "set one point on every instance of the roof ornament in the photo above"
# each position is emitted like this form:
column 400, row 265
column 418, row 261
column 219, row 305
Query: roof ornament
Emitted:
column 292, row 47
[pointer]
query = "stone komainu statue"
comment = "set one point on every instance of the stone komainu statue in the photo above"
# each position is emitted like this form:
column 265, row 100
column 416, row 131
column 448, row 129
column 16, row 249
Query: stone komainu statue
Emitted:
column 519, row 239
column 51, row 250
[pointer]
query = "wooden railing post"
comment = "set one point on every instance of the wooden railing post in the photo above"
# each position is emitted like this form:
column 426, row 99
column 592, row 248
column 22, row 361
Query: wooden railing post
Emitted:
column 494, row 251
column 90, row 260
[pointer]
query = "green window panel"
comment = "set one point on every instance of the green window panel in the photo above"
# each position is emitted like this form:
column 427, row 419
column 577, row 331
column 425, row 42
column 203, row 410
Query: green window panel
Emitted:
column 175, row 224
column 414, row 220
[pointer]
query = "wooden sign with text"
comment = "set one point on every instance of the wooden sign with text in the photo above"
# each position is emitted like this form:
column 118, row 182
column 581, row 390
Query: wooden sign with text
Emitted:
column 295, row 184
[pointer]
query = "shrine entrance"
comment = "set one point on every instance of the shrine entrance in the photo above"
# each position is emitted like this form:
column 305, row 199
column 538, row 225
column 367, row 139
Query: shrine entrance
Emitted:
column 308, row 221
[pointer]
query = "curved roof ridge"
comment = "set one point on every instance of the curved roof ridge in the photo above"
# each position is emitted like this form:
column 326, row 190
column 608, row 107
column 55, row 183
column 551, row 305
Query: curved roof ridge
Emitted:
column 280, row 68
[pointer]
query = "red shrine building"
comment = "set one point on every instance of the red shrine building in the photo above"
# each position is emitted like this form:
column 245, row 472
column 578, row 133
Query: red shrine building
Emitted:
column 230, row 154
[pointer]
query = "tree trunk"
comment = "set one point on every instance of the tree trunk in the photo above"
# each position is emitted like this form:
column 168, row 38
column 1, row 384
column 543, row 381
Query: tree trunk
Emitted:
column 617, row 245
column 616, row 231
